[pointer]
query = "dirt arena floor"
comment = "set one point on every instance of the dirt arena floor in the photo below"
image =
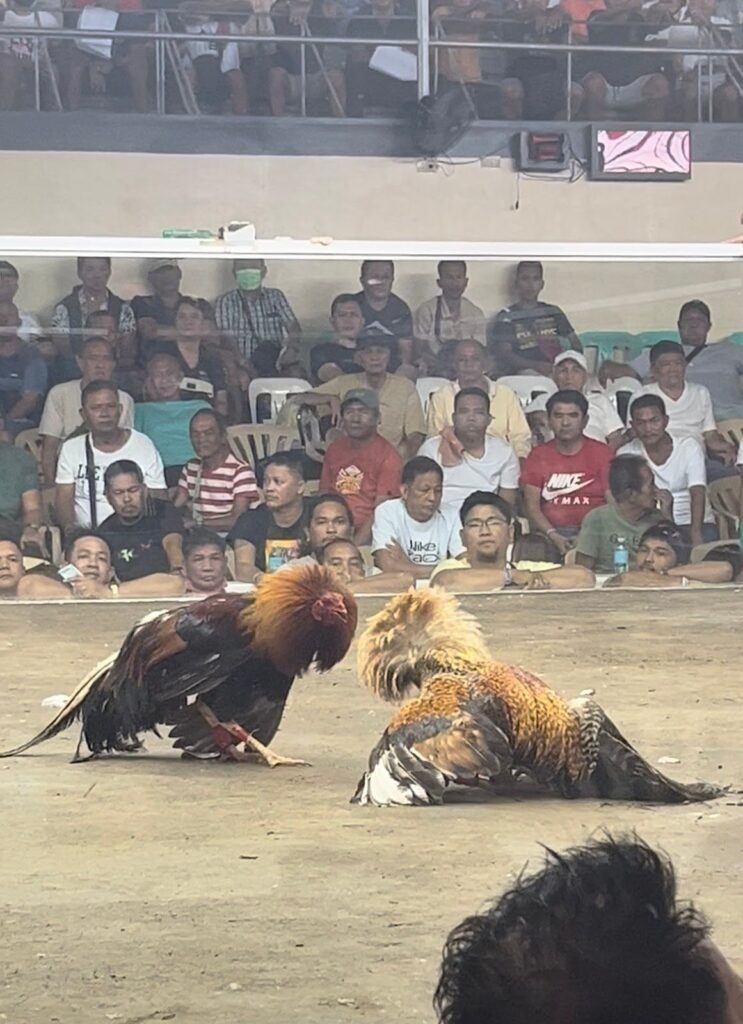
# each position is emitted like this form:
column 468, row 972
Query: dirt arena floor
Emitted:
column 150, row 889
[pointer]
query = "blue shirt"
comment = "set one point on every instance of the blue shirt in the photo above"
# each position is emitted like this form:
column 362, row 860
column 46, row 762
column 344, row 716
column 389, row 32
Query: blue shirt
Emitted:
column 23, row 372
column 166, row 424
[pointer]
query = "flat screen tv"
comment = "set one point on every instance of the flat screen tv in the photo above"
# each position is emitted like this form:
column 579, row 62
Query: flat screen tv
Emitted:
column 640, row 154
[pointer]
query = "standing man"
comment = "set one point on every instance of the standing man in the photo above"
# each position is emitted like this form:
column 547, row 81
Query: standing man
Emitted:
column 155, row 313
column 383, row 311
column 472, row 460
column 144, row 535
column 258, row 321
column 23, row 375
column 567, row 477
column 528, row 334
column 507, row 419
column 80, row 496
column 689, row 407
column 632, row 511
column 678, row 468
column 570, row 373
column 62, row 413
column 361, row 465
column 267, row 537
column 71, row 314
column 449, row 316
column 401, row 414
column 411, row 534
column 216, row 486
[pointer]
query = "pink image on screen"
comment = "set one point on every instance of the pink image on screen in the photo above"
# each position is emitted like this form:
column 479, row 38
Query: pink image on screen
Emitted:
column 644, row 152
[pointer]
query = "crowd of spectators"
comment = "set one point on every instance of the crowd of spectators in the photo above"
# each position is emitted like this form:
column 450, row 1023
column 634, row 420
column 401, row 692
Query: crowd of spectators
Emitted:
column 128, row 405
column 358, row 78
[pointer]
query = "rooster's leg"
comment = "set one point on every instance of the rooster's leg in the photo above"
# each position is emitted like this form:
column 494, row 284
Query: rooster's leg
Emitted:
column 228, row 734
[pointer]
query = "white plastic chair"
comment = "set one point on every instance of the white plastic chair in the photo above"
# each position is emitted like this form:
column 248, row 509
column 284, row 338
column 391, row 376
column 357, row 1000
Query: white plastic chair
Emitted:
column 528, row 386
column 278, row 388
column 426, row 387
column 626, row 387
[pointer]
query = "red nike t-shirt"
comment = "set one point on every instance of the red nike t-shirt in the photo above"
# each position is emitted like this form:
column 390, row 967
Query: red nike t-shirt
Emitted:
column 570, row 485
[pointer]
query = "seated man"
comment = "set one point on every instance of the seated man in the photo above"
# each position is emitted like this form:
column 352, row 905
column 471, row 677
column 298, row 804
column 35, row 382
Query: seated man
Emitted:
column 145, row 535
column 449, row 317
column 205, row 563
column 507, row 419
column 267, row 537
column 30, row 328
column 548, row 950
column 633, row 510
column 528, row 334
column 383, row 311
column 689, row 407
column 663, row 561
column 678, row 468
column 216, row 487
column 20, row 498
column 411, row 534
column 469, row 458
column 62, row 414
column 567, row 477
column 155, row 313
column 88, row 573
column 361, row 466
column 488, row 537
column 570, row 373
column 23, row 375
column 329, row 359
column 346, row 562
column 165, row 415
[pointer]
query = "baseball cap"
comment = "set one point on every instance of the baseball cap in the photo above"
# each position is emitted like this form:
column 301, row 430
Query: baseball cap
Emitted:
column 368, row 338
column 159, row 263
column 365, row 396
column 577, row 357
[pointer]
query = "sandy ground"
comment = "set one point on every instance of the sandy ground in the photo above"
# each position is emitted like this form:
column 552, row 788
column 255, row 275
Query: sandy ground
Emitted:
column 148, row 889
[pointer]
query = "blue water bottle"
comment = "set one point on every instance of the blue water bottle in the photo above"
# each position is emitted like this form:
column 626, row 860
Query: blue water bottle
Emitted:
column 621, row 555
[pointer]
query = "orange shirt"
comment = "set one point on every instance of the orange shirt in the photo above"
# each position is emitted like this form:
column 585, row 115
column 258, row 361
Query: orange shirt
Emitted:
column 579, row 12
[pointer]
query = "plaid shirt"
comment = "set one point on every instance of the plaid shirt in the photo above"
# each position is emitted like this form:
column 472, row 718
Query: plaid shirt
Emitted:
column 251, row 321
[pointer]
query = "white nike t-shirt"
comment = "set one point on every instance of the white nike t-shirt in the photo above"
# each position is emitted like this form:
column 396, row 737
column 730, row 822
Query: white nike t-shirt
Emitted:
column 424, row 543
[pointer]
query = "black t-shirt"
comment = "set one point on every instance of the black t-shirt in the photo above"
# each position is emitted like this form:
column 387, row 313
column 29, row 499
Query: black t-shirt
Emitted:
column 137, row 549
column 619, row 68
column 332, row 352
column 395, row 318
column 209, row 367
column 152, row 306
column 533, row 333
column 274, row 545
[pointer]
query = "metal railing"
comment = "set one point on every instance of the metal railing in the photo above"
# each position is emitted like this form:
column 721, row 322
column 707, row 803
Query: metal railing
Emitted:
column 426, row 44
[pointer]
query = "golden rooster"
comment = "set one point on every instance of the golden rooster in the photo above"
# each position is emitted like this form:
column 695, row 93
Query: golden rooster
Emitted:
column 471, row 720
column 219, row 671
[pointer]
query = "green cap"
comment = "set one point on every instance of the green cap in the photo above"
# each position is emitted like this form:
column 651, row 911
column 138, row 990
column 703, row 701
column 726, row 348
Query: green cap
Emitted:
column 365, row 396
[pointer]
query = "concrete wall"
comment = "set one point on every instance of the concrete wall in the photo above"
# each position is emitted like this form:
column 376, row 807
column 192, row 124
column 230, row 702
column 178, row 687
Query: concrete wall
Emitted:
column 140, row 194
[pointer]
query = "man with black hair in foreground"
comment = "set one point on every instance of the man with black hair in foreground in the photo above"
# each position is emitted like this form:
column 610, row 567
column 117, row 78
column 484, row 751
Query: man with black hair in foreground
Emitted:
column 596, row 937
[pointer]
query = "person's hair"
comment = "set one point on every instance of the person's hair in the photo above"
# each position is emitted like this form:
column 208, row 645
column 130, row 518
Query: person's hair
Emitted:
column 471, row 393
column 162, row 355
column 76, row 533
column 96, row 339
column 595, row 936
column 696, row 306
column 342, row 299
column 625, row 475
column 95, row 386
column 568, row 397
column 451, row 263
column 670, row 534
column 202, row 537
column 665, row 348
column 187, row 300
column 96, row 315
column 327, row 499
column 122, row 467
column 528, row 264
column 418, row 466
column 322, row 553
column 4, row 265
column 82, row 259
column 216, row 416
column 485, row 498
column 291, row 460
column 367, row 263
column 648, row 402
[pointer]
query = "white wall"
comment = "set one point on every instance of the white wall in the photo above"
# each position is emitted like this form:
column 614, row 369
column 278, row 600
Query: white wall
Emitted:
column 140, row 194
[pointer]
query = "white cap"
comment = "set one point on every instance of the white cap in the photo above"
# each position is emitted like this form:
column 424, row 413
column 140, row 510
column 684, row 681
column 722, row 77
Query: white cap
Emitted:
column 577, row 357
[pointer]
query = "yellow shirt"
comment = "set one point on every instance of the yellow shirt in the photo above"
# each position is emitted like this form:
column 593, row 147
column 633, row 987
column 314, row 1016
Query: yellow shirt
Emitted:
column 401, row 413
column 508, row 420
column 463, row 563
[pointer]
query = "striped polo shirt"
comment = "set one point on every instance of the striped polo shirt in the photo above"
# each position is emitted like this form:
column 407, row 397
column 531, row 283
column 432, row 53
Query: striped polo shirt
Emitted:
column 212, row 492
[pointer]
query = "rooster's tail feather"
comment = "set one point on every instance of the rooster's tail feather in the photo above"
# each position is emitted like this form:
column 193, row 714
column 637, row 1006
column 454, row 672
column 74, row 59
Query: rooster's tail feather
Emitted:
column 71, row 710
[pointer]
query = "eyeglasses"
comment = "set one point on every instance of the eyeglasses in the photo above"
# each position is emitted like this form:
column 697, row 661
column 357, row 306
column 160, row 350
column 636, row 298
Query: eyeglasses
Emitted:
column 491, row 524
